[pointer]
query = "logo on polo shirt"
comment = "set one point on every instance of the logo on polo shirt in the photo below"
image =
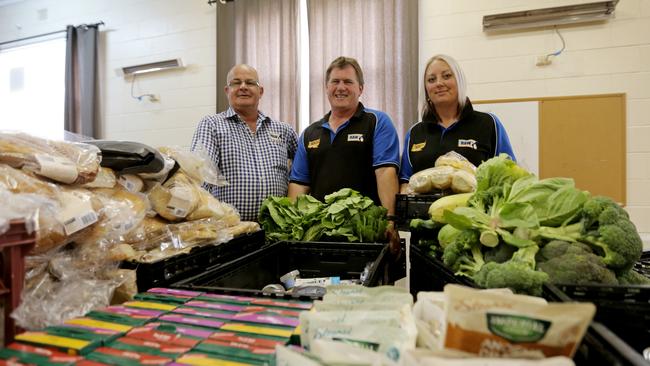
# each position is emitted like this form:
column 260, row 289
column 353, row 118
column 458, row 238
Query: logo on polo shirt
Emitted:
column 275, row 137
column 357, row 137
column 313, row 144
column 418, row 147
column 467, row 143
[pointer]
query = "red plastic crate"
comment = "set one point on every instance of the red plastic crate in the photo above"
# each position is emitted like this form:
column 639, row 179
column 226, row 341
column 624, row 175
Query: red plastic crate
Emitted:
column 15, row 245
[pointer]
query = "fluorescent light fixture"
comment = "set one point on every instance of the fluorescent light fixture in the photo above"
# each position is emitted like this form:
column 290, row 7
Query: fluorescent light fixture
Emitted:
column 151, row 67
column 570, row 14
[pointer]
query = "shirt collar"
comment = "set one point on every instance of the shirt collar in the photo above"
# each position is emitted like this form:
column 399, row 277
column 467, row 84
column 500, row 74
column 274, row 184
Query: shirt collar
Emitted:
column 231, row 114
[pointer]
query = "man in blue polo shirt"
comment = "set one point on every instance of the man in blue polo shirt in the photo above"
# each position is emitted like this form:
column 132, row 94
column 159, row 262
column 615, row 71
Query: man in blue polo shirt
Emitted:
column 350, row 147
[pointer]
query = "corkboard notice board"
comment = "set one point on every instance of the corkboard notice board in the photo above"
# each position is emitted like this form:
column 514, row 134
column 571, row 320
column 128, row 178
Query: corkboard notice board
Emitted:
column 583, row 137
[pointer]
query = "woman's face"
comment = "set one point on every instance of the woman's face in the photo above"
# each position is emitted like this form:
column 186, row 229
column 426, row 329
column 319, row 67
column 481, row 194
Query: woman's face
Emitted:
column 440, row 83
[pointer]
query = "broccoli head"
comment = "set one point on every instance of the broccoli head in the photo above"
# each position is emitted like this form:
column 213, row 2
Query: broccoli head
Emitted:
column 612, row 232
column 500, row 253
column 607, row 228
column 463, row 254
column 632, row 277
column 556, row 248
column 578, row 269
column 518, row 273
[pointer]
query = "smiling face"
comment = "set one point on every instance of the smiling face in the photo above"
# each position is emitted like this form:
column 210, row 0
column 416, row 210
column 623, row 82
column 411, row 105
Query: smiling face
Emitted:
column 243, row 89
column 440, row 84
column 343, row 88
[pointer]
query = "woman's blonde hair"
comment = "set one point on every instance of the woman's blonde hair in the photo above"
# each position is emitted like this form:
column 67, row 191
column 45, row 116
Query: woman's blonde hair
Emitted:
column 428, row 109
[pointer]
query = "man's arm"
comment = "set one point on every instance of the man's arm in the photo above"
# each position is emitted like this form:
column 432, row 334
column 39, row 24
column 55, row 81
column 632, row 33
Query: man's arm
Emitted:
column 296, row 190
column 387, row 186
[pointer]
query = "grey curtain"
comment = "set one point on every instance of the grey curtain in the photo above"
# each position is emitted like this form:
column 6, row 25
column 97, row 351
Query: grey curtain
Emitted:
column 81, row 89
column 383, row 36
column 262, row 34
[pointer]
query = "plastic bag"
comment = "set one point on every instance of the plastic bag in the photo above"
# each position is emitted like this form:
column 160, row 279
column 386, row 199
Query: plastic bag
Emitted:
column 197, row 165
column 65, row 162
column 455, row 160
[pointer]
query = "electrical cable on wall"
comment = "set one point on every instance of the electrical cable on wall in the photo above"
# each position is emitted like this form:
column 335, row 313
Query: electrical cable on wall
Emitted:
column 557, row 53
column 546, row 59
column 152, row 97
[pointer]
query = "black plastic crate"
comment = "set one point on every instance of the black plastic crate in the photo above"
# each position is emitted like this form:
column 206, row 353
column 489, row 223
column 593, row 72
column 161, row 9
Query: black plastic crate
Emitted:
column 609, row 343
column 313, row 259
column 623, row 309
column 165, row 272
column 413, row 206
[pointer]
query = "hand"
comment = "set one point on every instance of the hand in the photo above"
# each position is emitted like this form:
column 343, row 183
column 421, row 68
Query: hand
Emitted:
column 394, row 243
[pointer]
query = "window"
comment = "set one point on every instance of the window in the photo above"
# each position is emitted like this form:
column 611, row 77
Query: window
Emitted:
column 32, row 88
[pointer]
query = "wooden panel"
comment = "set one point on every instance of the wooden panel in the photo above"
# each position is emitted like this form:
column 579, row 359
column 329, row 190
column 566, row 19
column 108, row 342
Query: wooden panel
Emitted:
column 584, row 138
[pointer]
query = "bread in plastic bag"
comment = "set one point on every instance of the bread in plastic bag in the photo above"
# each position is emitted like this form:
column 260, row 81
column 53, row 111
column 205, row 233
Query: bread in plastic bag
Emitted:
column 176, row 198
column 430, row 179
column 463, row 181
column 65, row 162
column 105, row 179
column 456, row 160
column 197, row 165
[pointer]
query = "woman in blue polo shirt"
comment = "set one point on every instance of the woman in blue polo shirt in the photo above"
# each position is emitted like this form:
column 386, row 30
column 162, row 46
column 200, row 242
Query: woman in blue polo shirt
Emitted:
column 450, row 123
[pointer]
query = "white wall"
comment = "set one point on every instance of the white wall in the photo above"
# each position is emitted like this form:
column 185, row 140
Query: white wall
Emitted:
column 138, row 31
column 611, row 57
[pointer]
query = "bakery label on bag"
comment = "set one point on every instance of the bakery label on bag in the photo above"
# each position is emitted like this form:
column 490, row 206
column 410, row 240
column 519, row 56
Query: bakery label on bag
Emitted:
column 180, row 202
column 57, row 168
column 76, row 213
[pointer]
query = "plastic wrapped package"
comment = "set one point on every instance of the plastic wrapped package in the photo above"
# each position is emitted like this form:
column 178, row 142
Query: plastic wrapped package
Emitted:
column 61, row 285
column 127, row 157
column 105, row 179
column 65, row 162
column 463, row 181
column 129, row 287
column 26, row 196
column 121, row 212
column 185, row 235
column 455, row 160
column 430, row 179
column 243, row 227
column 182, row 198
column 208, row 206
column 197, row 165
column 175, row 198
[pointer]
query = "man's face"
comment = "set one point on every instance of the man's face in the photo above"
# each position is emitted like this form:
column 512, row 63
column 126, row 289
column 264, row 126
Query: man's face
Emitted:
column 243, row 88
column 343, row 89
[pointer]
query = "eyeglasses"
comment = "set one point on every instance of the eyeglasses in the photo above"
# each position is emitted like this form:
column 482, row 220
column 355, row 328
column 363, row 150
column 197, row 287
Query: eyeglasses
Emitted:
column 236, row 83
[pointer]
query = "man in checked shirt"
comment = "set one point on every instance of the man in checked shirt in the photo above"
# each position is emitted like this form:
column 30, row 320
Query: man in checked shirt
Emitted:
column 252, row 150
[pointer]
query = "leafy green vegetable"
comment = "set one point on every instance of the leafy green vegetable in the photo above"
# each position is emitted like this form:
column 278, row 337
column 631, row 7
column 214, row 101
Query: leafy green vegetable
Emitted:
column 345, row 214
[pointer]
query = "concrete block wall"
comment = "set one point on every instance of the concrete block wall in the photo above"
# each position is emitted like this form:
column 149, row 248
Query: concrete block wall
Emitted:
column 600, row 58
column 136, row 32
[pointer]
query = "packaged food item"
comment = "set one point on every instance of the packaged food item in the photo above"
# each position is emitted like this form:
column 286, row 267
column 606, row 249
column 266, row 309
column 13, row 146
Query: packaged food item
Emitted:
column 492, row 324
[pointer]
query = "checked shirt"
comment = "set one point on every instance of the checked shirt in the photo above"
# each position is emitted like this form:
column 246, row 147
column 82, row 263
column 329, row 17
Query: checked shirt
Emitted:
column 254, row 164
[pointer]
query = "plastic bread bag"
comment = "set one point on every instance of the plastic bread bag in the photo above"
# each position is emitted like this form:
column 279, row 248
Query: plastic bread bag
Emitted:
column 185, row 235
column 69, row 287
column 430, row 179
column 121, row 212
column 463, row 181
column 176, row 198
column 42, row 195
column 492, row 324
column 65, row 162
column 422, row 357
column 105, row 179
column 243, row 227
column 209, row 206
column 197, row 165
column 455, row 160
